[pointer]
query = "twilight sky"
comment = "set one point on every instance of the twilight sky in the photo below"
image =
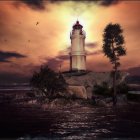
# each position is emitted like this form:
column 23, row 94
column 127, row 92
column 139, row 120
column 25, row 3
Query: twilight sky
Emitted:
column 36, row 32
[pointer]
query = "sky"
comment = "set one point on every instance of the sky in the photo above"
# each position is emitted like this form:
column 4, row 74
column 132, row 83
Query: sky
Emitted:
column 37, row 32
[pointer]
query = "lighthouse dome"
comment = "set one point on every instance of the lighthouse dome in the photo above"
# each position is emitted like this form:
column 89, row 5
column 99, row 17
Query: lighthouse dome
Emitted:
column 77, row 25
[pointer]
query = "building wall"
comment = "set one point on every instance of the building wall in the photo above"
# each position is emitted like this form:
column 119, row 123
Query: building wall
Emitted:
column 78, row 55
column 78, row 62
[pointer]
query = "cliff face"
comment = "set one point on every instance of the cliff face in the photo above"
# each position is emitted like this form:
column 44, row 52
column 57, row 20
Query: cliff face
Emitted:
column 89, row 79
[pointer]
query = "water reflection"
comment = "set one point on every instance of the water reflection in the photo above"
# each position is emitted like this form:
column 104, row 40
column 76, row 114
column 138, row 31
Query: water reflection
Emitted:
column 71, row 123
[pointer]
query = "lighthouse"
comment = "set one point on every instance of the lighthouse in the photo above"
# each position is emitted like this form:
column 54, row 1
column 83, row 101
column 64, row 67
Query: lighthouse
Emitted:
column 77, row 51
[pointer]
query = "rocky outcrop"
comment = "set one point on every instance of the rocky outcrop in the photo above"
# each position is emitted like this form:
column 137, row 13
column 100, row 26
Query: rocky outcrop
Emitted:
column 106, row 102
column 64, row 103
column 77, row 91
column 89, row 79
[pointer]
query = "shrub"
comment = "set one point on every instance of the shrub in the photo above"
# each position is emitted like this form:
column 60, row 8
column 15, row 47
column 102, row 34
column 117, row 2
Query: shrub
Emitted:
column 48, row 82
column 105, row 90
column 102, row 89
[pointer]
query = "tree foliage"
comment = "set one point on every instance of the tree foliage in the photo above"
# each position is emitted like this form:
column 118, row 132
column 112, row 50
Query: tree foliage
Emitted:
column 48, row 82
column 113, row 43
column 113, row 48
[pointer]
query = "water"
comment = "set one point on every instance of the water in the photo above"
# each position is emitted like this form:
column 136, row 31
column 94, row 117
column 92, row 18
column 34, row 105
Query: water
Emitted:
column 15, row 87
column 84, row 122
column 22, row 121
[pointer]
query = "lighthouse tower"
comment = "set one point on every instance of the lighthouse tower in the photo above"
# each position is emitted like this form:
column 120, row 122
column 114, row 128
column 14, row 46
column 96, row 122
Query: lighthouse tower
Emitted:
column 77, row 53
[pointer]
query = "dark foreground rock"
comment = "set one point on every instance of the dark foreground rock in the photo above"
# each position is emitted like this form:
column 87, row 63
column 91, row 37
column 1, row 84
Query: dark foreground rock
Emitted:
column 107, row 101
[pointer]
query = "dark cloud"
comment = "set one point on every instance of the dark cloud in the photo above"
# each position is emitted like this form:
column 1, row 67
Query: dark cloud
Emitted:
column 65, row 51
column 35, row 4
column 4, row 56
column 99, row 2
column 63, row 57
column 57, row 61
column 134, row 71
column 108, row 2
column 94, row 52
column 91, row 45
column 40, row 4
column 54, row 63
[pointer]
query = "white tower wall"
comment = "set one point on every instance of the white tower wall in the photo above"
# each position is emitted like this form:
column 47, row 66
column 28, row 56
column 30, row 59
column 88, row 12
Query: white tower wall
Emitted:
column 77, row 54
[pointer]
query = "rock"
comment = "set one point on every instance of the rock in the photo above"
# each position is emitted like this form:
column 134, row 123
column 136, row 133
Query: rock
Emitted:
column 77, row 91
column 63, row 103
column 89, row 79
column 121, row 99
column 108, row 100
column 45, row 106
column 101, row 103
column 57, row 103
column 32, row 101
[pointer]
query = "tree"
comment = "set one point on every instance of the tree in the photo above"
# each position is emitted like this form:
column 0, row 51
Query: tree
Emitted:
column 113, row 48
column 48, row 82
